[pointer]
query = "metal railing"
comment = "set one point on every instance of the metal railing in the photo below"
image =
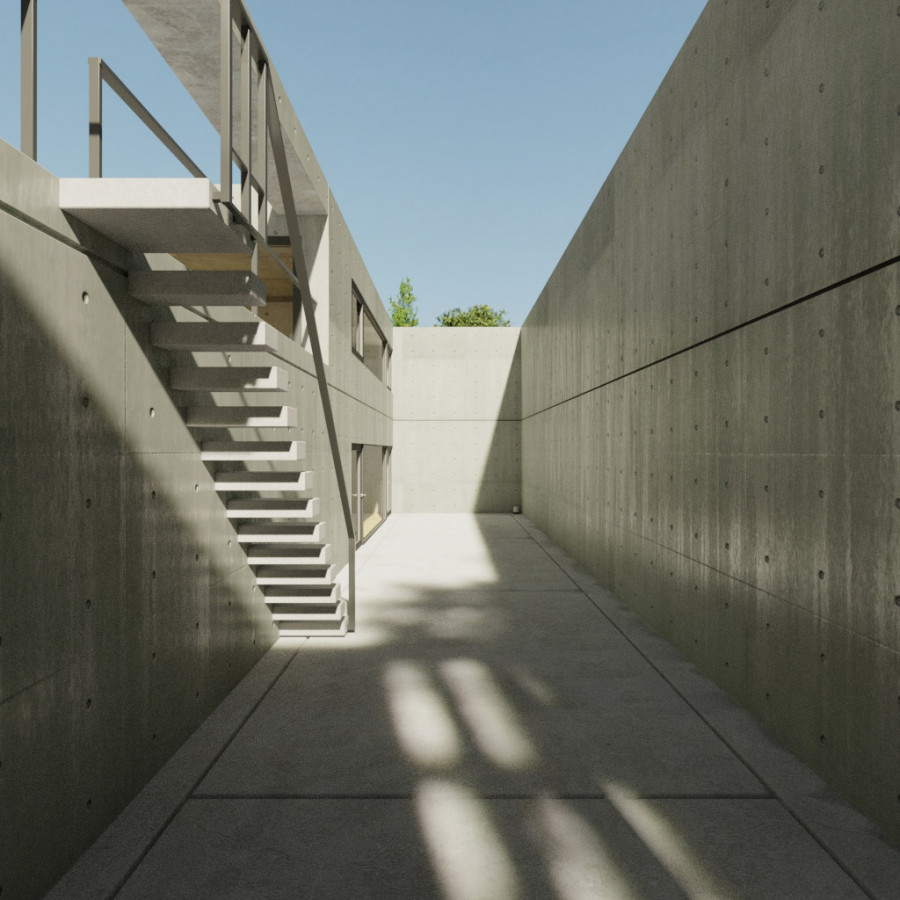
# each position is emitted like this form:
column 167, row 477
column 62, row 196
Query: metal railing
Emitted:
column 100, row 72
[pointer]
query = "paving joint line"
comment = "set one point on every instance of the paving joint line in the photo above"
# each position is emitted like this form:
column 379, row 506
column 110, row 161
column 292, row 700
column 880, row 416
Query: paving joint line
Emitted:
column 169, row 819
column 522, row 795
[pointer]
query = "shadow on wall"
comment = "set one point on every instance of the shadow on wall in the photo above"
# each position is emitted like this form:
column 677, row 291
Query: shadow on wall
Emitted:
column 500, row 485
column 457, row 420
column 128, row 609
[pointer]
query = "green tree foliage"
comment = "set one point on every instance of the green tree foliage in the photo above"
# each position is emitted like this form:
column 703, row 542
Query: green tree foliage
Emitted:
column 479, row 315
column 403, row 309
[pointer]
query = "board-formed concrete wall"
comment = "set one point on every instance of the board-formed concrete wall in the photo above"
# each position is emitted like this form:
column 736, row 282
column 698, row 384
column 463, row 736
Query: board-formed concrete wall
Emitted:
column 711, row 378
column 457, row 411
column 127, row 609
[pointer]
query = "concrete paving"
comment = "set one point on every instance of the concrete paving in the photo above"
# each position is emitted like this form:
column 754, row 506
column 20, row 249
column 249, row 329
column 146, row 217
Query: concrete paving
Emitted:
column 499, row 726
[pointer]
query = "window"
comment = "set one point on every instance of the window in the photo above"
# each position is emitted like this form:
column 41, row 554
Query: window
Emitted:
column 371, row 498
column 366, row 339
column 356, row 326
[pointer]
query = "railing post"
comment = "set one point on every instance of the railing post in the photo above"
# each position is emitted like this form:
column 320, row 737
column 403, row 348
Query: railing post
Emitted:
column 225, row 99
column 29, row 78
column 95, row 117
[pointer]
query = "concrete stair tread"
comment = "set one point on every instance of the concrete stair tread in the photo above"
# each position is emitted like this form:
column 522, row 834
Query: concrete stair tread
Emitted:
column 280, row 532
column 230, row 337
column 333, row 614
column 302, row 594
column 264, row 481
column 334, row 617
column 288, row 555
column 324, row 629
column 205, row 288
column 261, row 508
column 313, row 574
column 241, row 416
column 252, row 450
column 228, row 379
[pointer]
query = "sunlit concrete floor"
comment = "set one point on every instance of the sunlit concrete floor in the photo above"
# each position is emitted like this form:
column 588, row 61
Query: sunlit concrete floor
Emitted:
column 499, row 726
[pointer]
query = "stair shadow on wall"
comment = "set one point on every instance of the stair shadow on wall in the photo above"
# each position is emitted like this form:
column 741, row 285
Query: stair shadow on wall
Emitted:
column 127, row 617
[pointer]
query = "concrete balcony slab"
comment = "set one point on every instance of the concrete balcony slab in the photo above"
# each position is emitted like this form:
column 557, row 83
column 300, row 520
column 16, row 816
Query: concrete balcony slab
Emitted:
column 153, row 215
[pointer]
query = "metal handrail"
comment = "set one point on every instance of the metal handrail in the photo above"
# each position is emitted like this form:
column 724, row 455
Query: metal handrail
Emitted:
column 270, row 137
column 100, row 72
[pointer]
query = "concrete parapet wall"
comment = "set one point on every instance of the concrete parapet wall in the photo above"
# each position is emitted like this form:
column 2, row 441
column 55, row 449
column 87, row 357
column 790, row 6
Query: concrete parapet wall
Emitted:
column 457, row 410
column 710, row 378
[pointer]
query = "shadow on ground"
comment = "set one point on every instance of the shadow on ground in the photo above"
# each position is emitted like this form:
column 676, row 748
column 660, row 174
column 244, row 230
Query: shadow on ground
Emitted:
column 488, row 732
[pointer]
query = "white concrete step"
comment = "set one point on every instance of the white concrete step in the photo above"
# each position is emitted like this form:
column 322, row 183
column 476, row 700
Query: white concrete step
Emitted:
column 227, row 378
column 320, row 615
column 288, row 555
column 241, row 416
column 280, row 533
column 226, row 337
column 311, row 574
column 313, row 625
column 284, row 630
column 298, row 508
column 302, row 596
column 197, row 288
column 264, row 481
column 252, row 450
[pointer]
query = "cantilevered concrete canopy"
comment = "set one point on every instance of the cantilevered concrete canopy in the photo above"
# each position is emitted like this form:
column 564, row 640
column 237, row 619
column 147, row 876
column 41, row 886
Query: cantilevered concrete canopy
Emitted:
column 187, row 36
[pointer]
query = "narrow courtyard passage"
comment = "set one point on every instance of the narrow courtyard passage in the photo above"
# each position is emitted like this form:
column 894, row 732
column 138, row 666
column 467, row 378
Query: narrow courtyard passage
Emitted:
column 499, row 726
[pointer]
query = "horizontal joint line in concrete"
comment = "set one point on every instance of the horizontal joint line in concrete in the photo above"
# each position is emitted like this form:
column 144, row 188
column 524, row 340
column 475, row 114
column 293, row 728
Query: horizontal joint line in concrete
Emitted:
column 461, row 419
column 58, row 236
column 765, row 796
column 766, row 315
column 762, row 590
column 356, row 399
column 495, row 590
column 28, row 687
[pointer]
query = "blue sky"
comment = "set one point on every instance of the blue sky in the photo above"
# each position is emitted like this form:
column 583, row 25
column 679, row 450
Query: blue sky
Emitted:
column 463, row 141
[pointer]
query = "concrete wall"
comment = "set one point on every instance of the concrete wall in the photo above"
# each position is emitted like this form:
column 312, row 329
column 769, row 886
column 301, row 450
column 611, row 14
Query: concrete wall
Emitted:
column 711, row 378
column 128, row 611
column 457, row 395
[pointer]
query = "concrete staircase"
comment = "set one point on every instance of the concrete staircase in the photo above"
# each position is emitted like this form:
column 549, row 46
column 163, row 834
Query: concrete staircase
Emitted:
column 279, row 531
